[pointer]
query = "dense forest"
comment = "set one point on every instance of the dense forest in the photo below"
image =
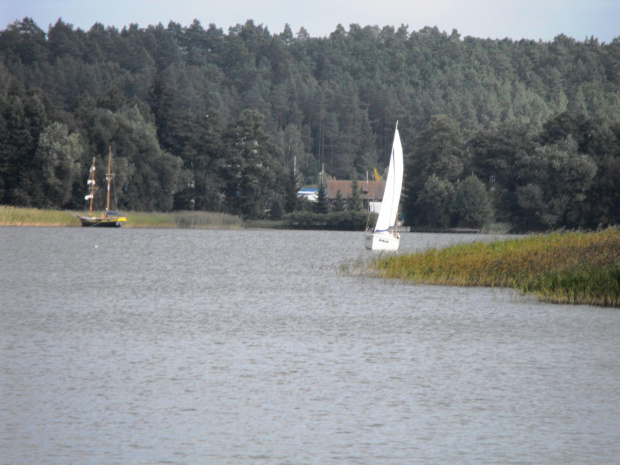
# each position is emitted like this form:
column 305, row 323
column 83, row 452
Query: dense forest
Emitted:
column 523, row 133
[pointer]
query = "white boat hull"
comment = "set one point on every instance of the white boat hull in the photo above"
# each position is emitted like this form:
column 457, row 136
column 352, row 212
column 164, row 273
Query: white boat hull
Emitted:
column 382, row 241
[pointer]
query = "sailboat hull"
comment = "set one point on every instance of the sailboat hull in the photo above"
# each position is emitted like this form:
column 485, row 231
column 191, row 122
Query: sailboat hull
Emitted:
column 387, row 241
column 103, row 222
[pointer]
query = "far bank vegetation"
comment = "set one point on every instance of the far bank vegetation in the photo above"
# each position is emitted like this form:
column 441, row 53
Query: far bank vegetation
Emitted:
column 521, row 134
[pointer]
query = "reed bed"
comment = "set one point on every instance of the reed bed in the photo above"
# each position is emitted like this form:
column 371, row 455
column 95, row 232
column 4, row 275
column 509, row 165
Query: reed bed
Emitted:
column 576, row 267
column 17, row 216
column 14, row 216
column 149, row 220
column 206, row 220
column 183, row 220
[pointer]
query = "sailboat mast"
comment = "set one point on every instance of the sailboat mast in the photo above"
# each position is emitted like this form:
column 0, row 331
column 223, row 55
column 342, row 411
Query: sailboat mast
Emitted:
column 109, row 178
column 368, row 192
column 92, row 187
column 368, row 200
column 396, row 219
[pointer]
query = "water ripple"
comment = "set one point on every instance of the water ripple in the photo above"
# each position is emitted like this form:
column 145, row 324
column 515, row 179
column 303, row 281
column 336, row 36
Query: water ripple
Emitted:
column 252, row 347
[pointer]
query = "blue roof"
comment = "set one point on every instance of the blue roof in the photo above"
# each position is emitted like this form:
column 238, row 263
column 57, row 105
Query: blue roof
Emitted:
column 308, row 190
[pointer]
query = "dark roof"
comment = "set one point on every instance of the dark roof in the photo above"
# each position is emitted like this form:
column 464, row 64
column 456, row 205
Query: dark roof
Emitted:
column 376, row 189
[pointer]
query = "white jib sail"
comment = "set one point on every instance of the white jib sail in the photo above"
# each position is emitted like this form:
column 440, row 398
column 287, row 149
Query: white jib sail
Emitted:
column 393, row 188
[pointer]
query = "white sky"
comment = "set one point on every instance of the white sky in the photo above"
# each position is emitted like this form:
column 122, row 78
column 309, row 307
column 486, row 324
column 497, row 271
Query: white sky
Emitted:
column 496, row 19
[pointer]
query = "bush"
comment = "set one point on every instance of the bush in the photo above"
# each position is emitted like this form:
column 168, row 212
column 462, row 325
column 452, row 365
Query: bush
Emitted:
column 336, row 221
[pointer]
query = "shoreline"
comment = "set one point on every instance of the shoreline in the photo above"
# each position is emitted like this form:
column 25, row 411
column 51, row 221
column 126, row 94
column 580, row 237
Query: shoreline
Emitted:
column 33, row 217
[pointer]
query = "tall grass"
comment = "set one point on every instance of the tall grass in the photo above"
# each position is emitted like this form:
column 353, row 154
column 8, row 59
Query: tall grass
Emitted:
column 14, row 216
column 205, row 220
column 149, row 220
column 579, row 268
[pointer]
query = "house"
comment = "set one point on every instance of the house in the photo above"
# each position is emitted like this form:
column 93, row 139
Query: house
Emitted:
column 371, row 192
column 308, row 193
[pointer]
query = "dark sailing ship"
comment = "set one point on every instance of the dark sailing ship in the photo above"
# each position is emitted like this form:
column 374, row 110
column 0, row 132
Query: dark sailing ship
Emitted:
column 108, row 218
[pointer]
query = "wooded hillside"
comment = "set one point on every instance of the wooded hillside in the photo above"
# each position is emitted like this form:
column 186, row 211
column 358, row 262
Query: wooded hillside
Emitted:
column 522, row 132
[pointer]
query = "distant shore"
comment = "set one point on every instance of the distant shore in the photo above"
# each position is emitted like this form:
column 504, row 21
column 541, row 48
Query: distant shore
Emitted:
column 15, row 216
column 574, row 267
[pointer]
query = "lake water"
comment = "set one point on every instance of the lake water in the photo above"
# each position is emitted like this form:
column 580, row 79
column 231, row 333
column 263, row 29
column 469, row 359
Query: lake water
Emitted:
column 253, row 347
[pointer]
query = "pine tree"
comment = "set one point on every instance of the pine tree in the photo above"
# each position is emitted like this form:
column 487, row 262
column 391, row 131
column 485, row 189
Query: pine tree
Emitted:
column 355, row 200
column 321, row 206
column 290, row 195
column 338, row 202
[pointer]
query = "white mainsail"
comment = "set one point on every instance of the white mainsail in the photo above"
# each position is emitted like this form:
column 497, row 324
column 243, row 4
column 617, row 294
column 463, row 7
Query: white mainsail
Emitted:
column 393, row 187
column 385, row 236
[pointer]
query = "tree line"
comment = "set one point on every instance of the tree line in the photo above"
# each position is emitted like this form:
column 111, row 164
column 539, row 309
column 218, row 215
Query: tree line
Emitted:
column 564, row 175
column 521, row 132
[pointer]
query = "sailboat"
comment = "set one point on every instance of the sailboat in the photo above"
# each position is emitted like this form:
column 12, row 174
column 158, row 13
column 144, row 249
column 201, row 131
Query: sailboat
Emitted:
column 108, row 218
column 385, row 234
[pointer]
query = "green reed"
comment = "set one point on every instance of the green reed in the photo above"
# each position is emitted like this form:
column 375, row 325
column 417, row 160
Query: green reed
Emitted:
column 14, row 216
column 17, row 216
column 575, row 267
column 206, row 220
column 183, row 220
column 149, row 220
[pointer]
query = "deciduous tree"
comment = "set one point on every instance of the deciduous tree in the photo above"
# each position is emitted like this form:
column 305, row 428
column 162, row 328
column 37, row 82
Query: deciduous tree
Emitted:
column 472, row 206
column 58, row 156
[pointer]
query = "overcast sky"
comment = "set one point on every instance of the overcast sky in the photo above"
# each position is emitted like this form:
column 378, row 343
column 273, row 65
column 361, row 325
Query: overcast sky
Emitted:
column 496, row 19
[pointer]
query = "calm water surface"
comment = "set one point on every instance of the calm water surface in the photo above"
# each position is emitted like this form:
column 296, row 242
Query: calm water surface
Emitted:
column 252, row 347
